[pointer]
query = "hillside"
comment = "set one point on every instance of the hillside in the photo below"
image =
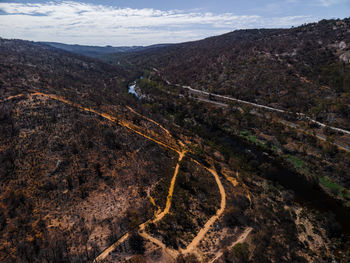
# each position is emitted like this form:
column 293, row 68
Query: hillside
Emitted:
column 303, row 69
column 91, row 173
column 90, row 51
column 297, row 78
column 98, row 51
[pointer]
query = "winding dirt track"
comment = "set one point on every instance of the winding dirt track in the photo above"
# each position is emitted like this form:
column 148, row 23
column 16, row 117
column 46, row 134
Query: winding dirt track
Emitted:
column 150, row 120
column 159, row 216
column 240, row 239
column 195, row 242
column 110, row 249
column 172, row 253
column 12, row 97
column 171, row 190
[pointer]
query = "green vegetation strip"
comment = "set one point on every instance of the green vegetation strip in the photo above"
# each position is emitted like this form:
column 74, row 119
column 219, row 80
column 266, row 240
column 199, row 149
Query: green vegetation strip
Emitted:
column 335, row 188
column 246, row 135
column 298, row 163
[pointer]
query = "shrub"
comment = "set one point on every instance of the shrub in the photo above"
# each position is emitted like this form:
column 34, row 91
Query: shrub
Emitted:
column 136, row 243
column 241, row 252
column 110, row 139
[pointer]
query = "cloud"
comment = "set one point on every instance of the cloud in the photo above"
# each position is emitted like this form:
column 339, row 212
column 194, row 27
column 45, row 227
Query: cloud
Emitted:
column 327, row 3
column 76, row 22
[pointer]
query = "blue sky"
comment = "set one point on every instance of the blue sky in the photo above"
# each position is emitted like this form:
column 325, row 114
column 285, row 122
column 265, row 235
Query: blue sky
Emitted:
column 145, row 22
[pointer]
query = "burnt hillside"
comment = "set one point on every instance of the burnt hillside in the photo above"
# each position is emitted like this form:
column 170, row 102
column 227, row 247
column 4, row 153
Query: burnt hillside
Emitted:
column 304, row 69
column 92, row 173
column 29, row 67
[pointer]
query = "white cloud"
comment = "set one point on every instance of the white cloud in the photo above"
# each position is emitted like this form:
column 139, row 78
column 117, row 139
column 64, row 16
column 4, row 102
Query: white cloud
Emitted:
column 328, row 2
column 74, row 22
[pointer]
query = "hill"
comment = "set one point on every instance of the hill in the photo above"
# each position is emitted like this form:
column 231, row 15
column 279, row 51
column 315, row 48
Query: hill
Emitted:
column 303, row 69
column 98, row 51
column 92, row 173
column 89, row 51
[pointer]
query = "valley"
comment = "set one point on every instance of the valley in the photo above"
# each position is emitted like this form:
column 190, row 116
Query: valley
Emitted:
column 208, row 97
column 233, row 149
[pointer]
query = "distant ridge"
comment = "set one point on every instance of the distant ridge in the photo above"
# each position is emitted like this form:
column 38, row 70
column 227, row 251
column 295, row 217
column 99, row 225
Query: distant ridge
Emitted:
column 90, row 51
column 96, row 51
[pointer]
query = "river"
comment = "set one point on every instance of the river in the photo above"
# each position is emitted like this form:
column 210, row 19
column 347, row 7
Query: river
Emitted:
column 132, row 90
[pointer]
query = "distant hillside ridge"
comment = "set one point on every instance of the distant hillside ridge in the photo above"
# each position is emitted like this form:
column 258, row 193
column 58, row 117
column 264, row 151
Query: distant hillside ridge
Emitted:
column 96, row 51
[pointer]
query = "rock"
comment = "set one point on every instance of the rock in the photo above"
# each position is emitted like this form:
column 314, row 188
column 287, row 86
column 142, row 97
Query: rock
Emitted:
column 345, row 57
column 342, row 45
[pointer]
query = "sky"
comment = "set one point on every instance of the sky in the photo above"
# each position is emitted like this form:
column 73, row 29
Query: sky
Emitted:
column 146, row 22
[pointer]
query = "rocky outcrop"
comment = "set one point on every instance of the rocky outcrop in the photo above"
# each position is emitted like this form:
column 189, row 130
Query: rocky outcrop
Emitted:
column 345, row 57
